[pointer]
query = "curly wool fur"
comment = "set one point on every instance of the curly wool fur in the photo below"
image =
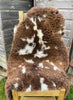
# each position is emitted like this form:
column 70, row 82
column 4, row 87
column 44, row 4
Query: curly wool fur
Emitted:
column 39, row 58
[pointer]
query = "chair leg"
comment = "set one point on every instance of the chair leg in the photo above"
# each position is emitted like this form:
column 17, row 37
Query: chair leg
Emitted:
column 61, row 95
column 15, row 95
column 22, row 98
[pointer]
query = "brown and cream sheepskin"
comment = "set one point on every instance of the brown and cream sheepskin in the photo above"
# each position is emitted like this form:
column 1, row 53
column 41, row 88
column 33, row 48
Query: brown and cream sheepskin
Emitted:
column 39, row 58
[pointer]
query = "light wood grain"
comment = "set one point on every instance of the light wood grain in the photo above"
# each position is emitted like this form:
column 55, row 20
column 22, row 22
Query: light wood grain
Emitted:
column 21, row 16
column 61, row 94
column 15, row 95
column 38, row 98
column 22, row 98
column 40, row 95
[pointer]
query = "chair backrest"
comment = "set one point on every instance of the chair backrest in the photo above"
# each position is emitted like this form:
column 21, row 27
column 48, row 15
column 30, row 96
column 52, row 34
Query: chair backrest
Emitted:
column 21, row 16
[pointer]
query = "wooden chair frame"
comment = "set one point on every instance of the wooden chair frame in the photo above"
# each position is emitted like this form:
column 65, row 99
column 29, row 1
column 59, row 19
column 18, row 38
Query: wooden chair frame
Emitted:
column 21, row 16
column 34, row 94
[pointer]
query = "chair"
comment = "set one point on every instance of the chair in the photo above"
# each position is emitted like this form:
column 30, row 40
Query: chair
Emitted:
column 40, row 95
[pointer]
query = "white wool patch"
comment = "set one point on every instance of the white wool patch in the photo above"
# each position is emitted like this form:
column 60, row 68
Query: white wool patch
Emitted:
column 60, row 63
column 23, row 69
column 44, row 86
column 15, row 29
column 55, row 67
column 15, row 85
column 17, row 78
column 27, row 27
column 41, row 65
column 20, row 66
column 40, row 35
column 27, row 50
column 40, row 54
column 39, row 18
column 29, row 61
column 44, row 15
column 47, row 61
column 23, row 39
column 45, row 42
column 54, row 84
column 47, row 47
column 36, row 68
column 34, row 22
column 44, row 46
column 29, row 40
column 60, row 32
column 47, row 67
column 39, row 31
column 28, row 89
column 14, row 68
column 56, row 47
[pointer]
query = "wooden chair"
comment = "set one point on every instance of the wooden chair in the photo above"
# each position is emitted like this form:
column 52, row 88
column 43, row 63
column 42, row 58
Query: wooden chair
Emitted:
column 40, row 95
